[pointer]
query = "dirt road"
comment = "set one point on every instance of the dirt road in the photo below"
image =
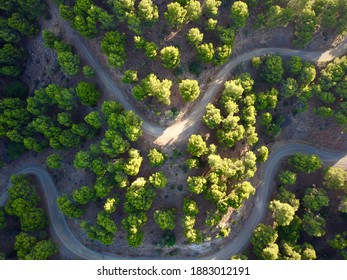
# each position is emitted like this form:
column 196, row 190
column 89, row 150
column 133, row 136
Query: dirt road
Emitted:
column 60, row 230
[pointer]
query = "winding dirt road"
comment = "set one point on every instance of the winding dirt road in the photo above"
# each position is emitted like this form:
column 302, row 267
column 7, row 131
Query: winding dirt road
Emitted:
column 182, row 129
column 61, row 231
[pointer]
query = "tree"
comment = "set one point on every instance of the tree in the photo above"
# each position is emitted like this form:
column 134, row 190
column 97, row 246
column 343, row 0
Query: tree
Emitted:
column 286, row 196
column 175, row 15
column 20, row 22
column 196, row 146
column 82, row 160
column 170, row 56
column 155, row 157
column 290, row 251
column 87, row 93
column 10, row 54
column 194, row 10
column 69, row 208
column 151, row 50
column 289, row 87
column 152, row 86
column 294, row 65
column 339, row 242
column 211, row 24
column 267, row 100
column 256, row 62
column 69, row 62
column 103, row 186
column 66, row 12
column 263, row 237
column 24, row 242
column 315, row 198
column 158, row 180
column 305, row 163
column 84, row 195
column 110, row 204
column 196, row 184
column 305, row 26
column 263, row 153
column 222, row 54
column 113, row 45
column 233, row 91
column 205, row 52
column 189, row 90
column 287, row 177
column 113, row 144
column 165, row 219
column 64, row 118
column 308, row 252
column 212, row 117
column 190, row 207
column 324, row 111
column 148, row 11
column 271, row 69
column 140, row 195
column 133, row 164
column 211, row 7
column 335, row 178
column 34, row 219
column 283, row 212
column 42, row 250
column 88, row 71
column 130, row 77
column 54, row 160
column 307, row 73
column 239, row 14
column 270, row 252
column 106, row 222
column 314, row 225
column 93, row 119
column 194, row 36
column 122, row 7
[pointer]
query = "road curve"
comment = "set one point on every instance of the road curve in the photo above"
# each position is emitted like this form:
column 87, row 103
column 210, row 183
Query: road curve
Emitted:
column 184, row 128
column 61, row 231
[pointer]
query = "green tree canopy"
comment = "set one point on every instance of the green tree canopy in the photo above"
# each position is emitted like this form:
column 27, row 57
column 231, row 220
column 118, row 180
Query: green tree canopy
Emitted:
column 175, row 14
column 315, row 198
column 212, row 117
column 287, row 177
column 158, row 180
column 271, row 69
column 113, row 45
column 239, row 14
column 189, row 90
column 155, row 157
column 170, row 56
column 69, row 62
column 194, row 36
column 87, row 93
column 140, row 195
column 314, row 225
column 196, row 184
column 335, row 178
column 190, row 207
column 305, row 163
column 54, row 160
column 165, row 219
column 196, row 146
column 283, row 212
